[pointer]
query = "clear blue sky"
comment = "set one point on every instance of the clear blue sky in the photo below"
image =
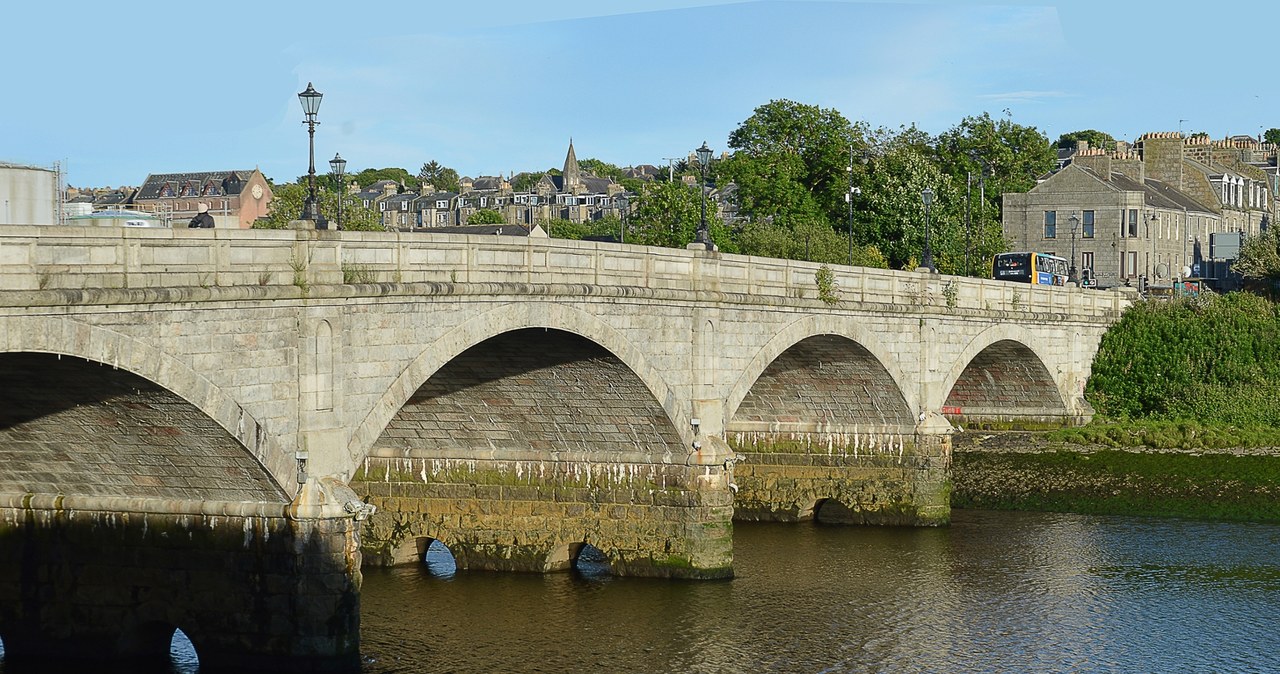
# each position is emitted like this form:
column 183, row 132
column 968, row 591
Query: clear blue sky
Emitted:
column 120, row 90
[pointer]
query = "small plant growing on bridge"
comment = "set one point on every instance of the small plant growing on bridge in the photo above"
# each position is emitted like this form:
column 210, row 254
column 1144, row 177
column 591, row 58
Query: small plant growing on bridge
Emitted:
column 827, row 289
column 299, row 267
column 1016, row 300
column 951, row 292
column 357, row 273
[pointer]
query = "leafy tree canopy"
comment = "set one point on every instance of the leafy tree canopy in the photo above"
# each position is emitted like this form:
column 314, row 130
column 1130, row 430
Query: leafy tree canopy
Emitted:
column 443, row 178
column 667, row 214
column 485, row 216
column 370, row 176
column 1014, row 155
column 1259, row 257
column 286, row 206
column 600, row 169
column 1272, row 136
column 1068, row 141
column 524, row 182
column 790, row 162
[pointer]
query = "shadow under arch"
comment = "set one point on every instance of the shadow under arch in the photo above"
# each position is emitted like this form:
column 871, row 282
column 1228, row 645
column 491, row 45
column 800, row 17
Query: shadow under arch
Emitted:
column 59, row 335
column 805, row 328
column 1005, row 347
column 494, row 323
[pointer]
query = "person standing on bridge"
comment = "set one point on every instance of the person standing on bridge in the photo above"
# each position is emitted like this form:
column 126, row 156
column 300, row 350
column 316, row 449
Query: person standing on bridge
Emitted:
column 202, row 220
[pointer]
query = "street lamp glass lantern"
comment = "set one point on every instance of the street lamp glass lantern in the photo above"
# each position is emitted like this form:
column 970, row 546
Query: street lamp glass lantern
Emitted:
column 338, row 165
column 704, row 155
column 927, row 196
column 310, row 100
column 1075, row 223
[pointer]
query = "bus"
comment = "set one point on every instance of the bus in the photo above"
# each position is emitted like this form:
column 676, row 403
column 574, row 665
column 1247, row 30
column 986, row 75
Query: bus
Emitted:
column 1035, row 268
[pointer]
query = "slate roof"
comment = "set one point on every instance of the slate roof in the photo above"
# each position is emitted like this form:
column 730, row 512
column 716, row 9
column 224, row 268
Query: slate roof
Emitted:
column 229, row 182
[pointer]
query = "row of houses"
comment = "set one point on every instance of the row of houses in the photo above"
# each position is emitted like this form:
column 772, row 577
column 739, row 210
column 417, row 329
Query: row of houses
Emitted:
column 239, row 197
column 1165, row 208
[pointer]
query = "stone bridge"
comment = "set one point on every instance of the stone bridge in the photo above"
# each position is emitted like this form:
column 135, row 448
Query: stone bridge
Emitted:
column 209, row 430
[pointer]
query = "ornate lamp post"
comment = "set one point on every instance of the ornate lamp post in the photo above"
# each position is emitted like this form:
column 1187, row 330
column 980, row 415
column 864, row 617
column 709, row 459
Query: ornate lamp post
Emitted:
column 704, row 159
column 338, row 166
column 926, row 260
column 310, row 100
column 1072, row 275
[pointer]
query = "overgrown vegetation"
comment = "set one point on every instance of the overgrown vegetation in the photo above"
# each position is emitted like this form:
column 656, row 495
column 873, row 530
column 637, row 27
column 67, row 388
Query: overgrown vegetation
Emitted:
column 1213, row 360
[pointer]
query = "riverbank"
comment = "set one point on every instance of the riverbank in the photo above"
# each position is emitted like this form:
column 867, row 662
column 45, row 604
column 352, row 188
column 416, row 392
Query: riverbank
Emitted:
column 1026, row 471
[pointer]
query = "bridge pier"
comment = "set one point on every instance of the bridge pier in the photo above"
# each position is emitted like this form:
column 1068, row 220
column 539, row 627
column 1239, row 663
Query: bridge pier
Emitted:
column 873, row 475
column 667, row 520
column 254, row 586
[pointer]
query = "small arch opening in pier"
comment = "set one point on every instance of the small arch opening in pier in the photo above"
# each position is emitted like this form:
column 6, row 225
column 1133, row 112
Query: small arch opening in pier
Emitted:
column 157, row 646
column 831, row 511
column 183, row 658
column 438, row 560
column 590, row 563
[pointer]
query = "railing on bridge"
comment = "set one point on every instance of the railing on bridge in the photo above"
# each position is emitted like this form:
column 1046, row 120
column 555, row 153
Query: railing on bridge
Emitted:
column 34, row 258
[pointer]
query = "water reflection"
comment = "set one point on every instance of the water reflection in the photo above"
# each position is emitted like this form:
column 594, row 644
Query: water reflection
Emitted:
column 1002, row 592
column 995, row 592
column 439, row 560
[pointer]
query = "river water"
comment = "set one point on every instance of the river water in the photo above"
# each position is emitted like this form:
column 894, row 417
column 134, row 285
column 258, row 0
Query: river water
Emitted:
column 994, row 592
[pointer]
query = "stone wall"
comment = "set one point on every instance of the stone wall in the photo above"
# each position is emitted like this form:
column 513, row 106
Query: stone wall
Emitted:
column 530, row 444
column 72, row 427
column 111, row 579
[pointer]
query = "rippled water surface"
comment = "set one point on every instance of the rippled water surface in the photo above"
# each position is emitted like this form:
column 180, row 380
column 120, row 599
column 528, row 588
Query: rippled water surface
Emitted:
column 995, row 592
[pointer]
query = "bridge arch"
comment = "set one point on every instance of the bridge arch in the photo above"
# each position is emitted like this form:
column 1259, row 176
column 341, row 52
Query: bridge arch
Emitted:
column 1018, row 346
column 64, row 336
column 499, row 321
column 804, row 328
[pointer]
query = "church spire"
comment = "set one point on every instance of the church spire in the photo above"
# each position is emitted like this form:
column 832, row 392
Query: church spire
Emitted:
column 572, row 175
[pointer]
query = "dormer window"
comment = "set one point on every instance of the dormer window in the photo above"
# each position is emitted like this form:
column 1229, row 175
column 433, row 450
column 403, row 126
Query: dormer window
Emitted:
column 442, row 204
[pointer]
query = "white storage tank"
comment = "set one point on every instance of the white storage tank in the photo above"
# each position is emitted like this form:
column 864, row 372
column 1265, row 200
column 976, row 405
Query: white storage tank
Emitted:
column 29, row 195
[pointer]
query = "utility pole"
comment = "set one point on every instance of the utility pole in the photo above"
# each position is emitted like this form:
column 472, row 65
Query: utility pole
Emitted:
column 968, row 195
column 671, row 167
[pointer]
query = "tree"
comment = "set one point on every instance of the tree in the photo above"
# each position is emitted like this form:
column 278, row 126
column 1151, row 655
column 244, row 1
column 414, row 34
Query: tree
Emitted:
column 1259, row 257
column 370, row 176
column 1272, row 136
column 525, row 182
column 286, row 206
column 486, row 216
column 600, row 169
column 1069, row 141
column 667, row 214
column 1005, row 156
column 790, row 163
column 443, row 178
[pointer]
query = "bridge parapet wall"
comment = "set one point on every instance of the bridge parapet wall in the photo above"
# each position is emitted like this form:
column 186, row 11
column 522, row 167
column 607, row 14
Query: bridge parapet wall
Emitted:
column 36, row 258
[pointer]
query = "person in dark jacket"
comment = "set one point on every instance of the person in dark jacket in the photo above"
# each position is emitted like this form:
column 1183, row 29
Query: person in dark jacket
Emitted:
column 202, row 219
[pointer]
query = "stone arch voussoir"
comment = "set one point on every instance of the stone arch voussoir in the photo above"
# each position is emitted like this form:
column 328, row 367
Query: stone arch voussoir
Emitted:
column 498, row 321
column 810, row 326
column 998, row 333
column 65, row 336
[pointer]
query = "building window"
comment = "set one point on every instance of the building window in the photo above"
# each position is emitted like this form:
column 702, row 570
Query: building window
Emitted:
column 442, row 204
column 1131, row 266
column 1050, row 224
column 1133, row 222
column 1086, row 260
column 1086, row 226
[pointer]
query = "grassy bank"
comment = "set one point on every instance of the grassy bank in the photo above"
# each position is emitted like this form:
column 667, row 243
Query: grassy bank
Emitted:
column 1220, row 486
